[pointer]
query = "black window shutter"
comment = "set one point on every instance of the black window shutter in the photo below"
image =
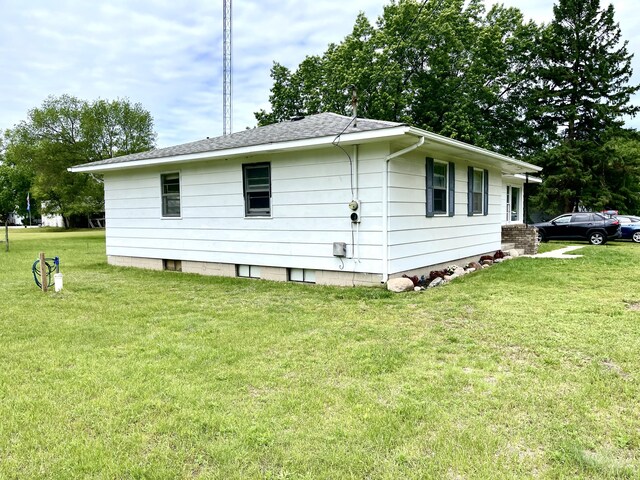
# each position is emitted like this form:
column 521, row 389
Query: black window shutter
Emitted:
column 485, row 202
column 452, row 189
column 470, row 191
column 429, row 187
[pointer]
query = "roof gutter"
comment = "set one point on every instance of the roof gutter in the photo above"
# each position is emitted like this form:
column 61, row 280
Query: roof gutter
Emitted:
column 385, row 204
column 450, row 142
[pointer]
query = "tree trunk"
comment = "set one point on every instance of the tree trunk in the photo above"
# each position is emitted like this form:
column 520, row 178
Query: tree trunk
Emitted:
column 6, row 234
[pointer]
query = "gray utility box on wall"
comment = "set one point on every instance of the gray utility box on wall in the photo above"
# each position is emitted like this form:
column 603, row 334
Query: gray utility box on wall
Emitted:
column 339, row 249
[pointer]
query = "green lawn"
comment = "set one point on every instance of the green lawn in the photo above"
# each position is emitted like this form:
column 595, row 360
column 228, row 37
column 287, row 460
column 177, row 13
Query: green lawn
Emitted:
column 530, row 369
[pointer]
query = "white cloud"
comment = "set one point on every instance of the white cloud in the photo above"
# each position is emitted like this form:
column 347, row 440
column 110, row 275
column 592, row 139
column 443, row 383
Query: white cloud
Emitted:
column 168, row 55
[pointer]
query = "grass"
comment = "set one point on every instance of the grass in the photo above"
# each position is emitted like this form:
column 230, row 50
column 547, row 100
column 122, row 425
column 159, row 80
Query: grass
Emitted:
column 529, row 369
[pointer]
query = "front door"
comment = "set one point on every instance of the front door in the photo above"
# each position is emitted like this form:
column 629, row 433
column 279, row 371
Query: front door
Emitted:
column 513, row 204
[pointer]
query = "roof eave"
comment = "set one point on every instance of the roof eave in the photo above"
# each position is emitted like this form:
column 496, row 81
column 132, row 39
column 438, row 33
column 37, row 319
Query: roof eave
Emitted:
column 523, row 177
column 512, row 165
column 345, row 139
column 508, row 165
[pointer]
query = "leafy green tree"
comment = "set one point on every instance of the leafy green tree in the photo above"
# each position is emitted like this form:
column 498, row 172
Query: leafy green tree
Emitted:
column 444, row 65
column 324, row 83
column 285, row 96
column 617, row 171
column 611, row 181
column 14, row 187
column 565, row 178
column 67, row 131
column 583, row 93
column 466, row 69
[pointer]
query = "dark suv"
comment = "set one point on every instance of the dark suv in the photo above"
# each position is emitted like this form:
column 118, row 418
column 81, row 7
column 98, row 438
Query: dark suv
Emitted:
column 594, row 227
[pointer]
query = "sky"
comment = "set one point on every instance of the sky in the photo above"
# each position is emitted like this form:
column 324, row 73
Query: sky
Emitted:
column 167, row 55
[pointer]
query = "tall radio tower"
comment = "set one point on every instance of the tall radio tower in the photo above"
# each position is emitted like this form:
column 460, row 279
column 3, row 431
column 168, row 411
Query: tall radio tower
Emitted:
column 226, row 67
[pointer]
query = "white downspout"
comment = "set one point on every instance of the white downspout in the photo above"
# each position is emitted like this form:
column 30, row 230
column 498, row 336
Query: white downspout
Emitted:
column 355, row 171
column 385, row 206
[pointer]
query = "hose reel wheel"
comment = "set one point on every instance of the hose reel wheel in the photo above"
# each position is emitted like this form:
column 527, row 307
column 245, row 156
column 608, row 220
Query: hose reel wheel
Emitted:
column 52, row 265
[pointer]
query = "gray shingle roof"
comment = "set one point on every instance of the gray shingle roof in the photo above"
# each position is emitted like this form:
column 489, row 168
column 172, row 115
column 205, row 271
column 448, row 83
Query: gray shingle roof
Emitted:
column 314, row 126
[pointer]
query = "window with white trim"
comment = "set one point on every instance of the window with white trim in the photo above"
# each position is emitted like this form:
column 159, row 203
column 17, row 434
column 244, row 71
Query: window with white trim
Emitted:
column 257, row 189
column 440, row 188
column 170, row 194
column 478, row 191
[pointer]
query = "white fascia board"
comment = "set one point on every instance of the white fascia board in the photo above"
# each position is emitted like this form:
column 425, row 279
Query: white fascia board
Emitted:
column 524, row 178
column 471, row 149
column 345, row 139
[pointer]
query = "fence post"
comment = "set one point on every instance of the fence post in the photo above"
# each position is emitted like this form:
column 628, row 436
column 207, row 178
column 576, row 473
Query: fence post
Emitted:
column 43, row 273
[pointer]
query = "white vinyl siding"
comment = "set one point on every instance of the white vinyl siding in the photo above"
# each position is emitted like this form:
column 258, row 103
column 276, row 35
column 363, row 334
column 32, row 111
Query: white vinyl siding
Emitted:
column 310, row 193
column 415, row 240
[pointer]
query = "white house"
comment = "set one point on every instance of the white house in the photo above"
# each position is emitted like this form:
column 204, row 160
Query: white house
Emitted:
column 45, row 220
column 52, row 221
column 325, row 199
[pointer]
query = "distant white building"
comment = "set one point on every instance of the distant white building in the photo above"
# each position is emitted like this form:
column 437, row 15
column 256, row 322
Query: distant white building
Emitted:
column 14, row 219
column 45, row 221
column 321, row 199
column 52, row 221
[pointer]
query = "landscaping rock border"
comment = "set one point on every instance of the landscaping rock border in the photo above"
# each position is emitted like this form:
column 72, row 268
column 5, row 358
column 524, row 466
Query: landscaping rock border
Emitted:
column 437, row 278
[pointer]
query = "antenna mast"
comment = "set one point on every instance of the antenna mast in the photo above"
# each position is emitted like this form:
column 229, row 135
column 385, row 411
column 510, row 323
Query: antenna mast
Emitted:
column 226, row 67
